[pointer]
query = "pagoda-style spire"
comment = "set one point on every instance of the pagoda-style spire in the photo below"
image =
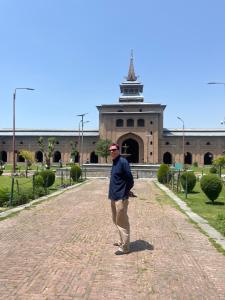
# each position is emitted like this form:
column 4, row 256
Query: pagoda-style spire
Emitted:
column 131, row 74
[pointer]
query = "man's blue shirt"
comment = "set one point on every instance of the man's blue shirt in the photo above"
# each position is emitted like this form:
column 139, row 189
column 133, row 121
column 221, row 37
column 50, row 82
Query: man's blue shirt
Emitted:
column 121, row 180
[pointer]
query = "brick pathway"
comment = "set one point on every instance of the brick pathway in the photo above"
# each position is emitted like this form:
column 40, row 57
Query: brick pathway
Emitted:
column 62, row 249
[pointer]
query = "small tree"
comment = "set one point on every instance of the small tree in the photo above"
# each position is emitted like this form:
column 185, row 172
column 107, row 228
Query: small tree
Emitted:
column 74, row 151
column 219, row 163
column 75, row 172
column 163, row 174
column 102, row 148
column 188, row 181
column 211, row 185
column 48, row 177
column 48, row 153
column 29, row 159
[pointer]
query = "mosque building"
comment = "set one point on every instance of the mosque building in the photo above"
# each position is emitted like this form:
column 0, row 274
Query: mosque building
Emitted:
column 136, row 125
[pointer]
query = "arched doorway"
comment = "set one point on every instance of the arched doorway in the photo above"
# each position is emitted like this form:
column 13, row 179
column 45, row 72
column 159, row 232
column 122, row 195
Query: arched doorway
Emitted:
column 167, row 158
column 188, row 158
column 208, row 158
column 93, row 158
column 130, row 150
column 39, row 156
column 56, row 156
column 20, row 158
column 3, row 156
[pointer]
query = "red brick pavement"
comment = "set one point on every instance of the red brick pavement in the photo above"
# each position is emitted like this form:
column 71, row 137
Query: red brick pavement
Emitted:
column 62, row 249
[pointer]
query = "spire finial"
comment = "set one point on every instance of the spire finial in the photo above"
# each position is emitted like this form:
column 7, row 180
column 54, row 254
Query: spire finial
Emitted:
column 131, row 54
column 131, row 74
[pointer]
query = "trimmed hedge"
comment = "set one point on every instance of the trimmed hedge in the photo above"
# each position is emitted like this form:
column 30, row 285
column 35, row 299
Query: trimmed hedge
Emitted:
column 211, row 185
column 48, row 177
column 75, row 172
column 191, row 181
column 163, row 174
column 38, row 180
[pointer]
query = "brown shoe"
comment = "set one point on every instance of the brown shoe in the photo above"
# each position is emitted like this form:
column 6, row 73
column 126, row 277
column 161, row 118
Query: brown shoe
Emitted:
column 121, row 252
column 118, row 244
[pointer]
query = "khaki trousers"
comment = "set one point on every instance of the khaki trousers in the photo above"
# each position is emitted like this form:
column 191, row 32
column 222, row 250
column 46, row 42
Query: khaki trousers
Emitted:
column 121, row 220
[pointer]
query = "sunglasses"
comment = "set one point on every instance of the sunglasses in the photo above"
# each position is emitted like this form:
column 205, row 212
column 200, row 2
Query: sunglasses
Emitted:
column 112, row 150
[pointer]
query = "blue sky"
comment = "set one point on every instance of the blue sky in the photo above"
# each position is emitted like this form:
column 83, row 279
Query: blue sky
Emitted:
column 75, row 53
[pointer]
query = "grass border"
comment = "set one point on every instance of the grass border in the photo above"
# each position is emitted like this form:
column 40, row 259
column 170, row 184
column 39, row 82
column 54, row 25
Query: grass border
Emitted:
column 219, row 247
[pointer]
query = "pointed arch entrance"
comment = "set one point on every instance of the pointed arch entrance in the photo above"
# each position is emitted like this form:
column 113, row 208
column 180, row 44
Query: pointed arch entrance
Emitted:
column 130, row 150
column 167, row 158
column 56, row 156
column 93, row 158
column 132, row 147
column 208, row 158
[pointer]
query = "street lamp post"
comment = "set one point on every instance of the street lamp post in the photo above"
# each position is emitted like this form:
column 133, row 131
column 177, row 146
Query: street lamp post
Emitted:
column 82, row 136
column 14, row 125
column 213, row 82
column 183, row 138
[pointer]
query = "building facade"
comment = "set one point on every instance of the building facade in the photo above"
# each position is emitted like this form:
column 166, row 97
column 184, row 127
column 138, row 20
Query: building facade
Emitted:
column 136, row 125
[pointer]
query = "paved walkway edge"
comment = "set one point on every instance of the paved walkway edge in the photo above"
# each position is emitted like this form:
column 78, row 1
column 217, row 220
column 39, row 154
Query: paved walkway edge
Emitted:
column 7, row 213
column 202, row 223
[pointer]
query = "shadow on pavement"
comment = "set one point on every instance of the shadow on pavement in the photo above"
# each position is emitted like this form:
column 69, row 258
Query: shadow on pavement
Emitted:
column 140, row 245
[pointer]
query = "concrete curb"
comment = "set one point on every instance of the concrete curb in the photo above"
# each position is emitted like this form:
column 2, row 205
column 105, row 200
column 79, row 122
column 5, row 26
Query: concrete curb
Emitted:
column 38, row 200
column 202, row 223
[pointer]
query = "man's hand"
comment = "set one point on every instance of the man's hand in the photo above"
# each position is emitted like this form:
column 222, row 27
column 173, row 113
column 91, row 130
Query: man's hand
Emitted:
column 131, row 194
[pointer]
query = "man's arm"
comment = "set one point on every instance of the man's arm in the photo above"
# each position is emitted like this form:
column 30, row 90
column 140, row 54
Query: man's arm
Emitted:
column 128, row 175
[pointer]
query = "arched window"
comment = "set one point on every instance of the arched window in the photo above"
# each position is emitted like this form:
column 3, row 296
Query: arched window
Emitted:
column 130, row 123
column 141, row 123
column 39, row 156
column 167, row 158
column 56, row 156
column 119, row 123
column 208, row 143
column 208, row 158
column 3, row 156
column 187, row 143
column 167, row 143
column 188, row 158
column 20, row 158
column 93, row 158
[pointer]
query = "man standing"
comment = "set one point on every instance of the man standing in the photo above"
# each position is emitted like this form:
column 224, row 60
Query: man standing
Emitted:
column 121, row 182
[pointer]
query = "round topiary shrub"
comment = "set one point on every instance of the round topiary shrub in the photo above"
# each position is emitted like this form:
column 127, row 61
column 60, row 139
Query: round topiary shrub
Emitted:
column 213, row 170
column 211, row 185
column 163, row 174
column 191, row 181
column 48, row 177
column 38, row 181
column 75, row 172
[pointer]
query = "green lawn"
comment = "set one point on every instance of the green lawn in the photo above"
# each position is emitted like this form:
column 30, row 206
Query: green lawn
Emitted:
column 203, row 169
column 22, row 167
column 23, row 191
column 213, row 213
